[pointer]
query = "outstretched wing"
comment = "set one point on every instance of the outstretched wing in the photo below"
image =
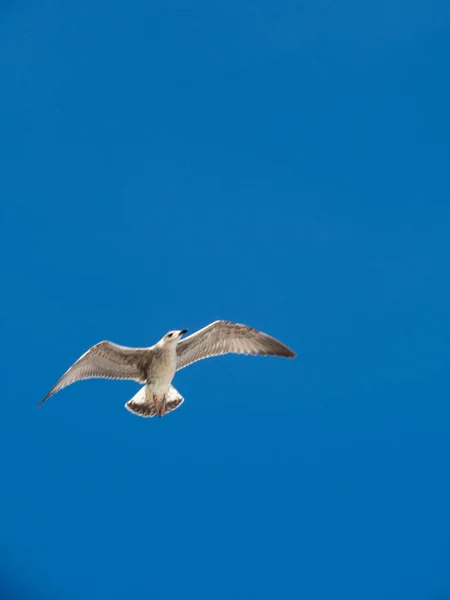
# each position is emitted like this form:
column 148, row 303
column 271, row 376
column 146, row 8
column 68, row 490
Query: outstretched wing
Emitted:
column 104, row 360
column 223, row 337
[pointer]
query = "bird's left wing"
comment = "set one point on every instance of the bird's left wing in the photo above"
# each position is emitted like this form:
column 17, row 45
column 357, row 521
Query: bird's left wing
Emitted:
column 105, row 360
column 223, row 337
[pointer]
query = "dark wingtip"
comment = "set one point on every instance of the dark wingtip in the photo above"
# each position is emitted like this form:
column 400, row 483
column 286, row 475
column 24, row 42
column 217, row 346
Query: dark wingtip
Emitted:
column 277, row 348
column 283, row 350
column 42, row 401
column 288, row 353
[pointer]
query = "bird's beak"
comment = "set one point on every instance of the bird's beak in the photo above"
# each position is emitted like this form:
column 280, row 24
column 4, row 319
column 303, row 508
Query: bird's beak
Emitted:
column 182, row 332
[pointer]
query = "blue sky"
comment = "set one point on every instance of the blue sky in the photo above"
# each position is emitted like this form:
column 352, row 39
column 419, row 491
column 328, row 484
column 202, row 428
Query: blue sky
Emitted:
column 284, row 165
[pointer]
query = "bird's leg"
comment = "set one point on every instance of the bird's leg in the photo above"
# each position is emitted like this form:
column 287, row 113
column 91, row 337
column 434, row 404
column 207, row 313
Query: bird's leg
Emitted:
column 155, row 400
column 161, row 408
column 149, row 396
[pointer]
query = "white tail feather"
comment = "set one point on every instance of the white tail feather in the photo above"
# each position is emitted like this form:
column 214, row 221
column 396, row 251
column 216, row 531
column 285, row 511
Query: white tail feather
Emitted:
column 143, row 408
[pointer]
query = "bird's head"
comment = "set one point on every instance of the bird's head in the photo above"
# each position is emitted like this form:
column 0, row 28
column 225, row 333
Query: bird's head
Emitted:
column 172, row 337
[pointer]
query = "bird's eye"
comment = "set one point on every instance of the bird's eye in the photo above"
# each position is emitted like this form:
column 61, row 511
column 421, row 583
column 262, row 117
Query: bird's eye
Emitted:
column 169, row 335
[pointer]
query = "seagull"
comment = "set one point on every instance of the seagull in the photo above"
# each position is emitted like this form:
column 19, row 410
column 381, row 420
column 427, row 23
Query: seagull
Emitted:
column 156, row 366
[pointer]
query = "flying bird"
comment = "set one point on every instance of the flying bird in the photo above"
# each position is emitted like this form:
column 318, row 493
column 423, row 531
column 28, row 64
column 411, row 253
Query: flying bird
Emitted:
column 156, row 366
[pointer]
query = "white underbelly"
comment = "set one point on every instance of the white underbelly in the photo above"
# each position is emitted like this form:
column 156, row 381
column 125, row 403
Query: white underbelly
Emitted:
column 159, row 388
column 160, row 385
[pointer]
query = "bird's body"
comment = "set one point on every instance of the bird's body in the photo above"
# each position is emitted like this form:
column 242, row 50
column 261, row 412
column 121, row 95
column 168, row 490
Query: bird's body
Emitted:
column 156, row 366
column 161, row 371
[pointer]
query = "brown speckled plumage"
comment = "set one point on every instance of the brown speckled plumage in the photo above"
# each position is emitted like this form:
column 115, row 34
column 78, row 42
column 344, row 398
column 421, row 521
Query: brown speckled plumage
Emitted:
column 224, row 337
column 155, row 366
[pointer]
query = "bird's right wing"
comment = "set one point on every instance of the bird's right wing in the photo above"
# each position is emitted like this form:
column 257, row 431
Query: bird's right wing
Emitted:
column 105, row 360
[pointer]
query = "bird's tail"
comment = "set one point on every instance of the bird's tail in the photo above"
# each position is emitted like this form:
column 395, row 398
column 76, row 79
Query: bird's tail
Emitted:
column 140, row 406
